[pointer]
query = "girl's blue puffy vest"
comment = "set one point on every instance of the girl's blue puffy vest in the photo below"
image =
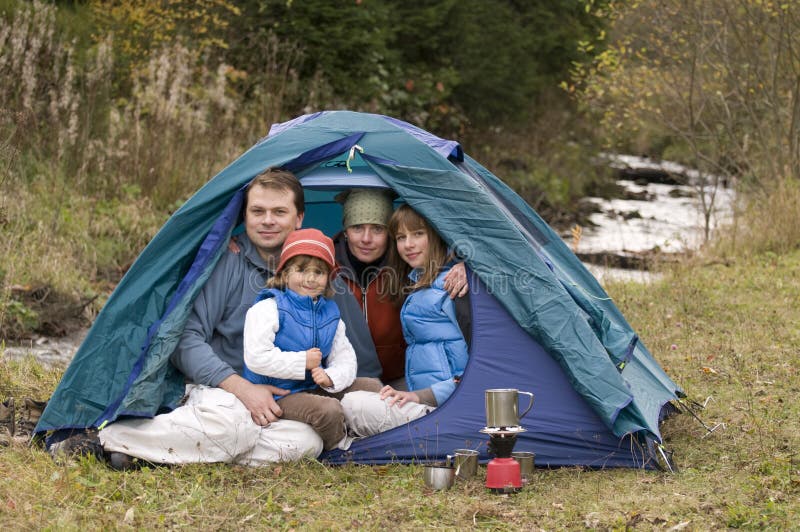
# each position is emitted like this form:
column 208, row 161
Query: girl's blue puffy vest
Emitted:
column 303, row 324
column 436, row 351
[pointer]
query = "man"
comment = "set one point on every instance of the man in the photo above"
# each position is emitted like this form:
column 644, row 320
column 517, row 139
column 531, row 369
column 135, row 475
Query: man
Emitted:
column 226, row 418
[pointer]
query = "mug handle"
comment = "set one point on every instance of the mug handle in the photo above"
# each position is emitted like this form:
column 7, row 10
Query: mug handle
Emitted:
column 530, row 405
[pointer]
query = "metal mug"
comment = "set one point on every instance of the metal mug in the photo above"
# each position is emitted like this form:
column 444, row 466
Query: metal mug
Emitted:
column 527, row 460
column 439, row 477
column 465, row 461
column 502, row 407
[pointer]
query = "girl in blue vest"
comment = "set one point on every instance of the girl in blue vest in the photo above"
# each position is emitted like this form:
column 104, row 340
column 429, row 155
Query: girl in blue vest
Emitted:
column 294, row 338
column 437, row 352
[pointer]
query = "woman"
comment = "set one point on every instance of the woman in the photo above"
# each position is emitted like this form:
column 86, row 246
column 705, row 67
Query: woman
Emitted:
column 361, row 253
column 437, row 353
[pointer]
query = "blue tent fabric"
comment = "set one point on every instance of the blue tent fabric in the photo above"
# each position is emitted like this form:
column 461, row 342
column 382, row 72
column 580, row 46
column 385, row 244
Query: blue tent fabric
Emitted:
column 564, row 319
column 576, row 435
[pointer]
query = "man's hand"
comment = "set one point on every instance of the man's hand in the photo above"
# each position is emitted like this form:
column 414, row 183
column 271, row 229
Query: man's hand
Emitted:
column 313, row 358
column 455, row 281
column 256, row 397
column 321, row 378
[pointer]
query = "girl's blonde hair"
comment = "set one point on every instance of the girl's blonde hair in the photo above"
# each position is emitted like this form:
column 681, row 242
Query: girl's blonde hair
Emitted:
column 405, row 219
column 301, row 262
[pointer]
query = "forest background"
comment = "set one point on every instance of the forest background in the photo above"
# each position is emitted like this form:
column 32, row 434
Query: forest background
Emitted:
column 112, row 113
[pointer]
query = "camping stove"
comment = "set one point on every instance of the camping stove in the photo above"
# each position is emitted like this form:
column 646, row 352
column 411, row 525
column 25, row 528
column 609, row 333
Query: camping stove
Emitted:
column 503, row 472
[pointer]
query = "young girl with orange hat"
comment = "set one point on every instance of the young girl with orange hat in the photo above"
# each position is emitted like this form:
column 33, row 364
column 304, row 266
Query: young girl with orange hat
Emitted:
column 295, row 339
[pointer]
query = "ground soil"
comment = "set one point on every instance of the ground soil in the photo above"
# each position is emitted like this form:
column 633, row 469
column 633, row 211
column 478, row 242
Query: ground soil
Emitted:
column 58, row 314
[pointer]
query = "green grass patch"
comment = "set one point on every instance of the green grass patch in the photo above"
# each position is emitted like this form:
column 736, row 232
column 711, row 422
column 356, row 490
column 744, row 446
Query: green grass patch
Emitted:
column 726, row 333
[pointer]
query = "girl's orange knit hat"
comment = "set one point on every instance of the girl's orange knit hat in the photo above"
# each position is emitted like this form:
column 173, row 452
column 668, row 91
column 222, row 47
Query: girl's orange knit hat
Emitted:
column 312, row 242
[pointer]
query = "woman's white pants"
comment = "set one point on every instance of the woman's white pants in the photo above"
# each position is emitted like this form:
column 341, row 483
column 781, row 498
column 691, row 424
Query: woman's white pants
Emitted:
column 367, row 414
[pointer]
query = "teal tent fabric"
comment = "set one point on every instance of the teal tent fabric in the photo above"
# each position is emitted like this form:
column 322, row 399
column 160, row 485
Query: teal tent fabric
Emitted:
column 122, row 368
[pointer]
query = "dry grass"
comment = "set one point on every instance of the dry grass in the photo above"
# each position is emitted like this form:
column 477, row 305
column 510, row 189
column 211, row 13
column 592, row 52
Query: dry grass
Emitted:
column 727, row 334
column 765, row 221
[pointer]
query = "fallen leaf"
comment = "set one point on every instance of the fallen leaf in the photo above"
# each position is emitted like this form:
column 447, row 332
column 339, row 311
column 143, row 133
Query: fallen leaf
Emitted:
column 129, row 515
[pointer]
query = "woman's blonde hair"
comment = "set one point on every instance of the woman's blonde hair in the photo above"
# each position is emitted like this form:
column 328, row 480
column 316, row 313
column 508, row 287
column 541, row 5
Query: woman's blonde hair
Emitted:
column 301, row 262
column 405, row 219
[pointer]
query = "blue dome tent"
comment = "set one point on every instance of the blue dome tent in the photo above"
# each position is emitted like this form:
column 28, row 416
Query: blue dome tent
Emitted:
column 541, row 321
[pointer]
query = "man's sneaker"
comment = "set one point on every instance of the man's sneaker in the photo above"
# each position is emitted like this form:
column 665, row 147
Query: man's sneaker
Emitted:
column 7, row 422
column 82, row 443
column 31, row 412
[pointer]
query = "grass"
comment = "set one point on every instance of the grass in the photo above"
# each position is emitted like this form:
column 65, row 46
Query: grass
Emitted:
column 726, row 333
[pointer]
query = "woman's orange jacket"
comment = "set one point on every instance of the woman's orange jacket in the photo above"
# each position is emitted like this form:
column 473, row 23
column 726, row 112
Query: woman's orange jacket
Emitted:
column 383, row 317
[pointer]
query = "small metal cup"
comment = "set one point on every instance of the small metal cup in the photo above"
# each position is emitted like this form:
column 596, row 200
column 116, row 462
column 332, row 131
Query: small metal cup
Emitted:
column 465, row 461
column 526, row 462
column 439, row 477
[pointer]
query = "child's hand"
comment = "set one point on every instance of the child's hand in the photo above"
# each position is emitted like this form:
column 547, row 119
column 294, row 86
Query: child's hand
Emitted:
column 321, row 378
column 396, row 397
column 233, row 246
column 313, row 358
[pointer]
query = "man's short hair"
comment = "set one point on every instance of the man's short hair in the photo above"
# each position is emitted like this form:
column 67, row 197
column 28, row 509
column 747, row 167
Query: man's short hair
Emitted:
column 279, row 179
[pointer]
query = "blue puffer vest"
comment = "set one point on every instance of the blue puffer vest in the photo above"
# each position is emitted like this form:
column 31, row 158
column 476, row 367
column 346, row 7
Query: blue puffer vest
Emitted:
column 303, row 324
column 437, row 352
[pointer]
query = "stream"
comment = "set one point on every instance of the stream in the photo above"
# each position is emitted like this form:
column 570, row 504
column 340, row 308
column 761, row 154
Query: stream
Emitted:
column 654, row 216
column 651, row 216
